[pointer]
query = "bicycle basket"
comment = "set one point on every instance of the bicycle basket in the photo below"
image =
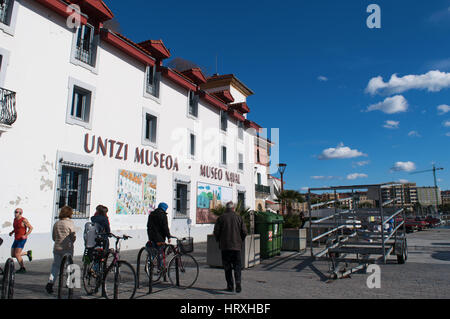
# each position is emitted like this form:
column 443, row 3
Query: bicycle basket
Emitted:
column 186, row 245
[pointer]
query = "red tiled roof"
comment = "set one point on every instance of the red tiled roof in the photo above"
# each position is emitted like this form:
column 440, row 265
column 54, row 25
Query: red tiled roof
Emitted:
column 196, row 75
column 126, row 45
column 156, row 48
column 224, row 95
column 242, row 107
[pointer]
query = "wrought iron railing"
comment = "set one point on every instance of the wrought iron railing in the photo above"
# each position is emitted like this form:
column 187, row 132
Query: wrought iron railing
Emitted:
column 8, row 113
column 4, row 11
column 262, row 189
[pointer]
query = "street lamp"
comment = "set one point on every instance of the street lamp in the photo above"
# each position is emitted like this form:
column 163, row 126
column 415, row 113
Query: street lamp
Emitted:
column 281, row 170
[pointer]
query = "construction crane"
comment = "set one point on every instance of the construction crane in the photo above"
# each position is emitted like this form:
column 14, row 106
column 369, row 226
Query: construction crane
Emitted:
column 434, row 169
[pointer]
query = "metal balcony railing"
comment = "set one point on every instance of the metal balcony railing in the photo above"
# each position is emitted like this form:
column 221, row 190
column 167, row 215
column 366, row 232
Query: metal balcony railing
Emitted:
column 262, row 189
column 8, row 113
column 4, row 11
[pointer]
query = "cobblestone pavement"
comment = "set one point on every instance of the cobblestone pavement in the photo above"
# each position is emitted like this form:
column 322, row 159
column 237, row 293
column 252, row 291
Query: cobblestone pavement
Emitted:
column 292, row 275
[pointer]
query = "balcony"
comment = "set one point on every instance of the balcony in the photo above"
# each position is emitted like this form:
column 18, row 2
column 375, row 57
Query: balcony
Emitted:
column 5, row 8
column 262, row 189
column 8, row 113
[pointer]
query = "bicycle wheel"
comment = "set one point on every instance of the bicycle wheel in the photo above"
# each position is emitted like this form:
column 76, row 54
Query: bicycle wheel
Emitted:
column 120, row 281
column 183, row 271
column 151, row 267
column 91, row 278
column 8, row 280
column 66, row 278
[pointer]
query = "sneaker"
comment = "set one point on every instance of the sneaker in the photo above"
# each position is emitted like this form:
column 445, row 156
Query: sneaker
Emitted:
column 238, row 288
column 21, row 271
column 30, row 255
column 49, row 288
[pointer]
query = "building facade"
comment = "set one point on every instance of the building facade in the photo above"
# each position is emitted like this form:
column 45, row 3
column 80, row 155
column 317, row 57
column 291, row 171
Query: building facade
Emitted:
column 426, row 196
column 89, row 117
column 403, row 195
column 262, row 171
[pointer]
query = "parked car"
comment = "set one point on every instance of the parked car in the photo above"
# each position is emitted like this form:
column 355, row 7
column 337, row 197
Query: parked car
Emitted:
column 416, row 224
column 433, row 221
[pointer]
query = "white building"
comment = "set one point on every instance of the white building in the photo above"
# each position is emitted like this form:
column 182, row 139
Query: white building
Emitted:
column 427, row 196
column 100, row 120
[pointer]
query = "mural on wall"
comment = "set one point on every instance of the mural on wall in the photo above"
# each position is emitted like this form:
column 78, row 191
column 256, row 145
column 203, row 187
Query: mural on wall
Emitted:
column 208, row 197
column 136, row 193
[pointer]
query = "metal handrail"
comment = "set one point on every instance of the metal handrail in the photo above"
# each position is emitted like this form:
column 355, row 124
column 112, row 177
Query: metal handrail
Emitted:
column 8, row 113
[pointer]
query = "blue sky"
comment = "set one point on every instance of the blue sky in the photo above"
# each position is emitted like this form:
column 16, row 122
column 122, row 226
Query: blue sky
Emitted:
column 309, row 63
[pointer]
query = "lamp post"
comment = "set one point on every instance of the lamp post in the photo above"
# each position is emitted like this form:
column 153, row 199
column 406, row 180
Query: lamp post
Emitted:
column 281, row 170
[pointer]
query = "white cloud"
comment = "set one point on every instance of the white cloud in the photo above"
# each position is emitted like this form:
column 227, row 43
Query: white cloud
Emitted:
column 403, row 181
column 447, row 123
column 390, row 105
column 443, row 109
column 321, row 178
column 414, row 134
column 361, row 163
column 404, row 167
column 448, row 134
column 304, row 189
column 340, row 152
column 356, row 176
column 391, row 125
column 322, row 78
column 433, row 81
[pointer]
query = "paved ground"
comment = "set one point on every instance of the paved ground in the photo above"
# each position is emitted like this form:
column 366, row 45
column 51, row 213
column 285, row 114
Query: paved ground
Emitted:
column 292, row 275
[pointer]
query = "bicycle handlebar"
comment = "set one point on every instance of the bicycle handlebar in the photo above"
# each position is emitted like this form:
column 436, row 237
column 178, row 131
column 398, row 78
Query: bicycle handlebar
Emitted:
column 124, row 237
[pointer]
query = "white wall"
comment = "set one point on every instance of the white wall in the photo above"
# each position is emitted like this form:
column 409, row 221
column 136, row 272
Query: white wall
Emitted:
column 39, row 71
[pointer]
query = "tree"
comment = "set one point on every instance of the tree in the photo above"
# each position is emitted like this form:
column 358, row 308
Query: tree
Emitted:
column 113, row 25
column 289, row 197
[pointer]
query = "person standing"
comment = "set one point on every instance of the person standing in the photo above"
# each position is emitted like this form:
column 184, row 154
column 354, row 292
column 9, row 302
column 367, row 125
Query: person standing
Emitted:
column 158, row 230
column 101, row 219
column 22, row 229
column 64, row 237
column 230, row 231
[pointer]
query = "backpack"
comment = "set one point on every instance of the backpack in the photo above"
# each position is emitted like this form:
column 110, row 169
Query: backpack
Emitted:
column 91, row 231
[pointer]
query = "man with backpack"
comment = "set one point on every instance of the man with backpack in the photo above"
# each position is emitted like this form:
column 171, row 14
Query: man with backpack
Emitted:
column 158, row 230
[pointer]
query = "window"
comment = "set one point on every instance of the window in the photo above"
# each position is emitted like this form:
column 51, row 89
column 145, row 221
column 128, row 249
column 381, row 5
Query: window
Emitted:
column 152, row 81
column 192, row 144
column 181, row 201
column 223, row 121
column 241, row 199
column 241, row 161
column 74, row 189
column 86, row 48
column 151, row 123
column 5, row 11
column 193, row 104
column 259, row 178
column 81, row 104
column 240, row 130
column 224, row 156
column 258, row 158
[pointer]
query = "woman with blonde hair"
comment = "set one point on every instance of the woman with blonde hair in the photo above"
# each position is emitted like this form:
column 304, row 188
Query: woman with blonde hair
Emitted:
column 64, row 238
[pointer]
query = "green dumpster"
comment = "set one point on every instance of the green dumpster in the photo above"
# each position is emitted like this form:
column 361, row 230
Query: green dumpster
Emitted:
column 270, row 227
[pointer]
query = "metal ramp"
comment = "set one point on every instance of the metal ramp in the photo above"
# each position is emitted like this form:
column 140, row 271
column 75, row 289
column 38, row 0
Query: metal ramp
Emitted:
column 357, row 235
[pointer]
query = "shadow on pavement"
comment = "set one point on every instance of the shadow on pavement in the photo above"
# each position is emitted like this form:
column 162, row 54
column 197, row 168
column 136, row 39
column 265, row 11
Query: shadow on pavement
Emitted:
column 441, row 255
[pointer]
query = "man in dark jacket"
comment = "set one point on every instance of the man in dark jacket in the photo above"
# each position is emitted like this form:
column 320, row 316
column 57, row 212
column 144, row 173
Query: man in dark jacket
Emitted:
column 230, row 231
column 158, row 229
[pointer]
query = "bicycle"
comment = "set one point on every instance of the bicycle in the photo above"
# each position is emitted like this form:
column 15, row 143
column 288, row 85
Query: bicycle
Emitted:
column 118, row 280
column 8, row 274
column 8, row 280
column 182, row 269
column 66, row 279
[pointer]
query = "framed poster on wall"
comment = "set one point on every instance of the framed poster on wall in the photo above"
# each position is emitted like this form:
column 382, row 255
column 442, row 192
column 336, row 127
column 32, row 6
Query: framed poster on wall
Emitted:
column 136, row 193
column 210, row 196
